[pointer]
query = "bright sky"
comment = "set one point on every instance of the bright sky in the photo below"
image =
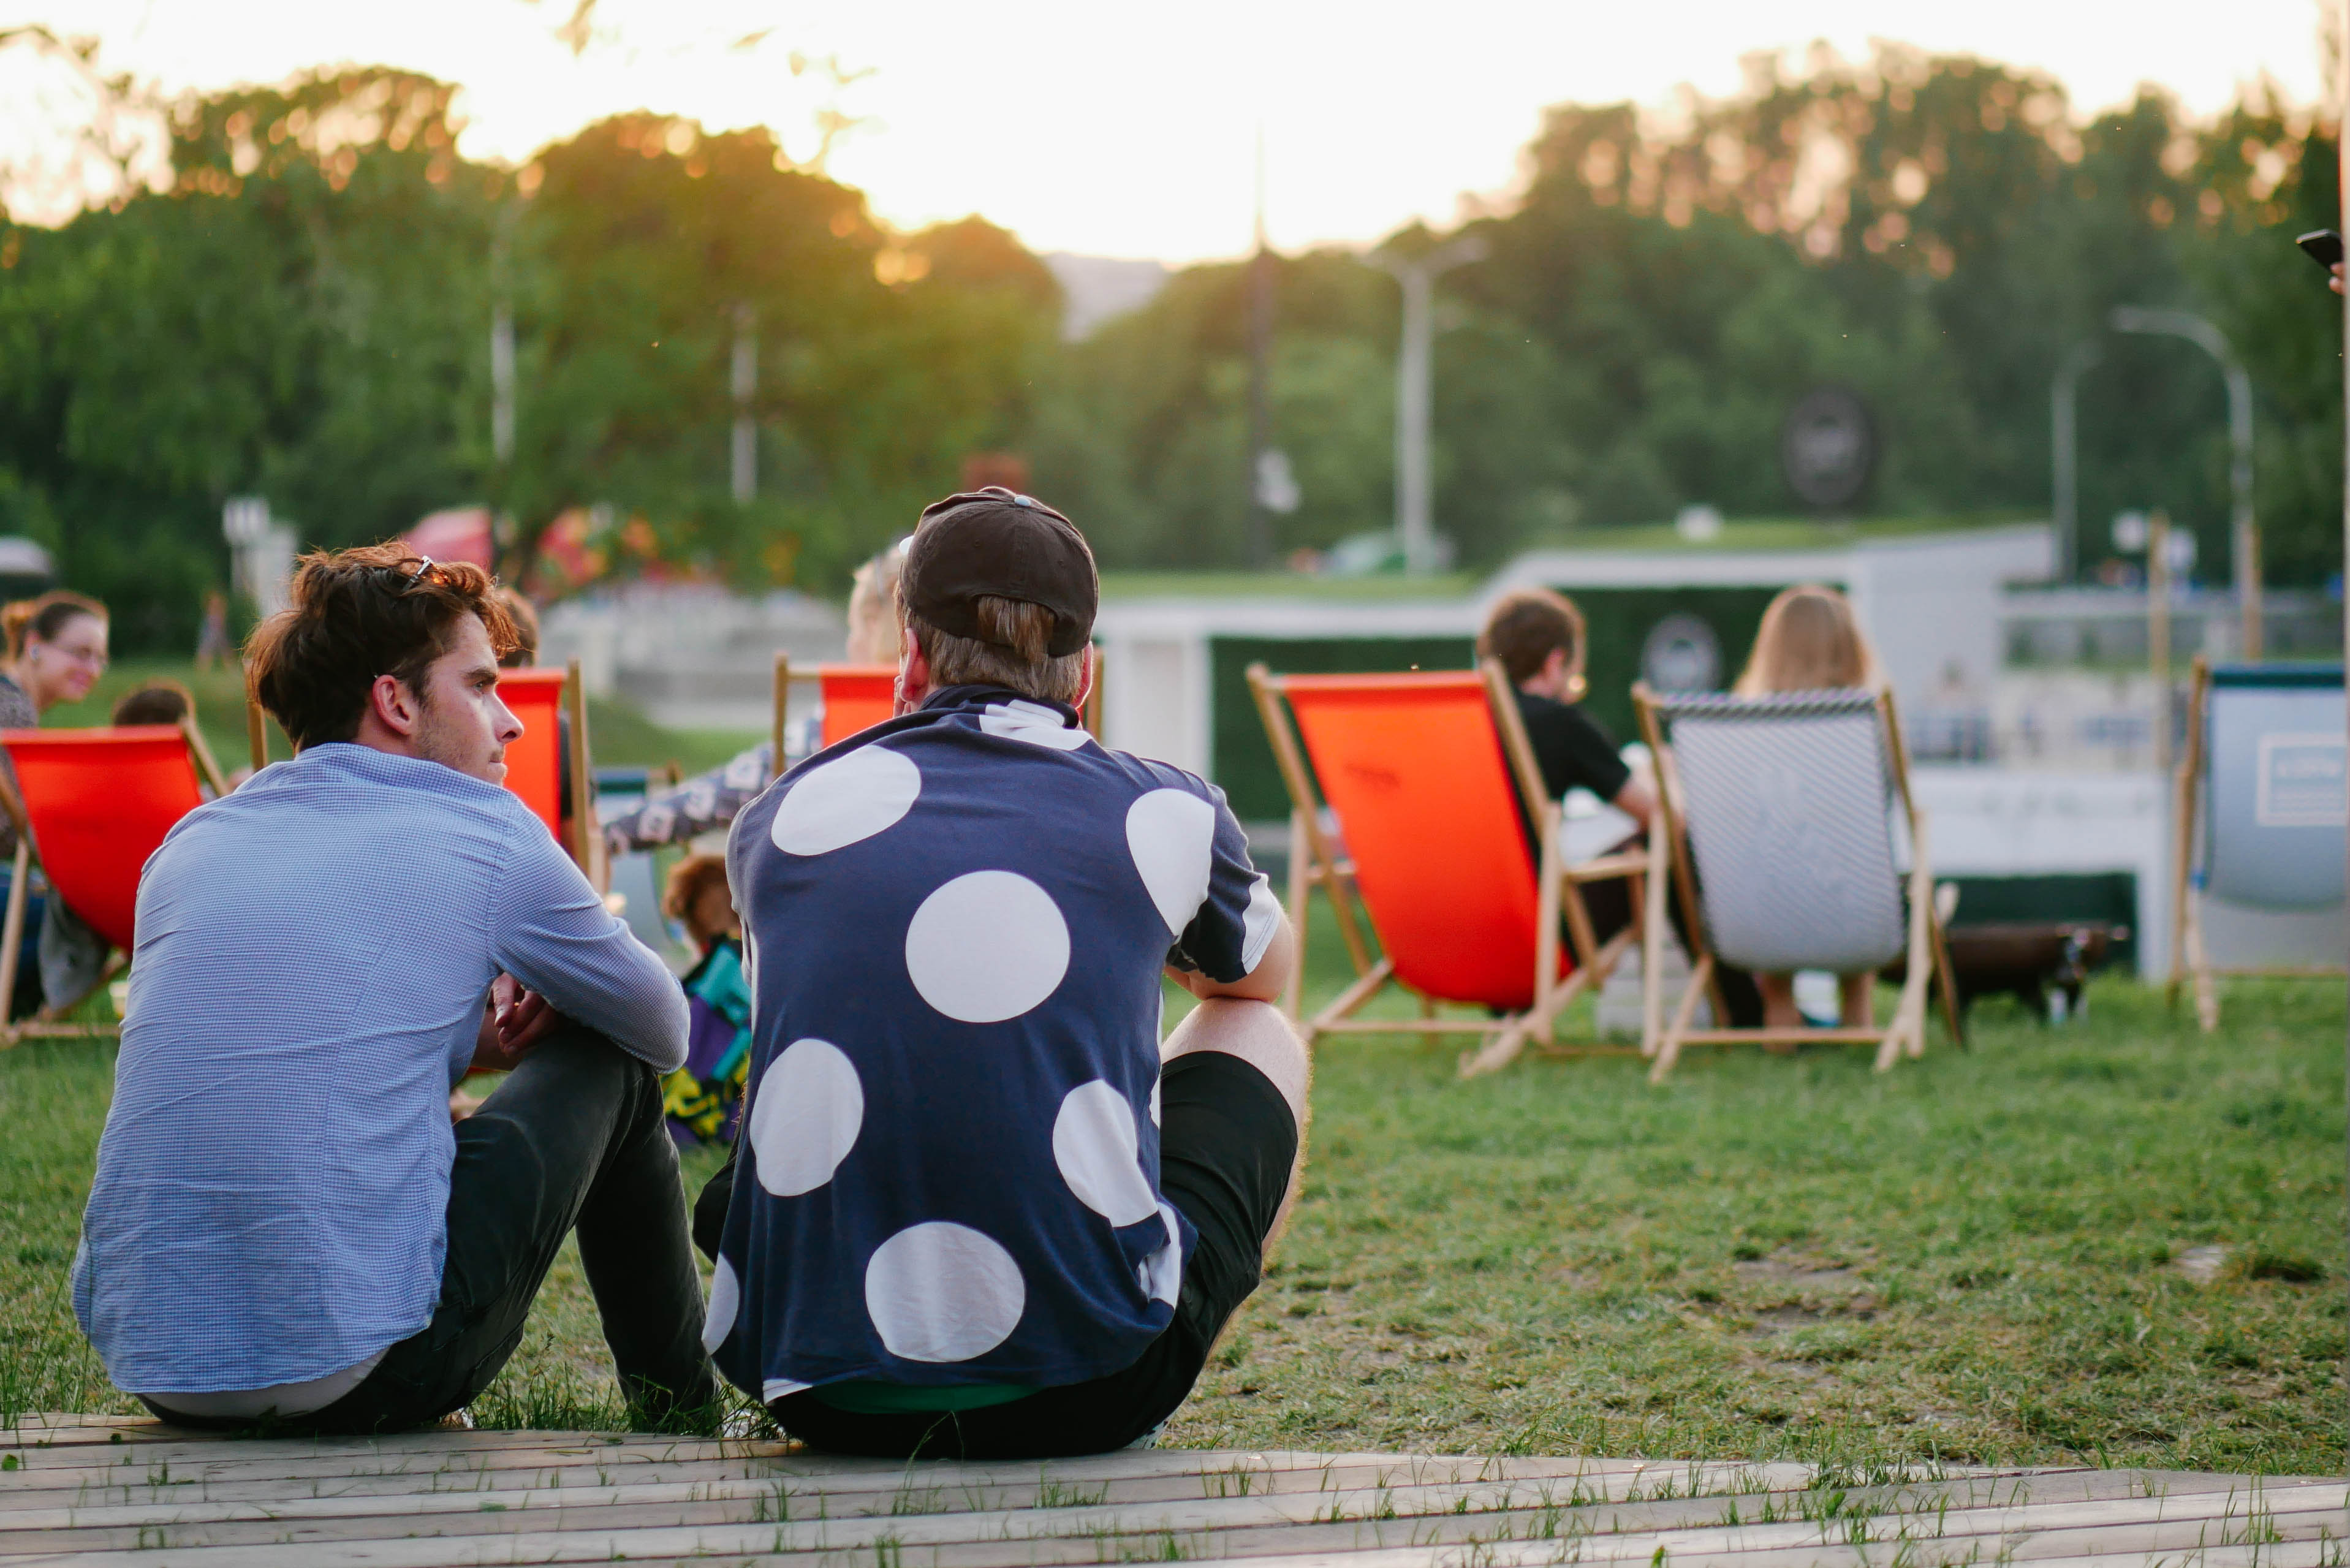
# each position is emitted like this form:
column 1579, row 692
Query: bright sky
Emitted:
column 1117, row 128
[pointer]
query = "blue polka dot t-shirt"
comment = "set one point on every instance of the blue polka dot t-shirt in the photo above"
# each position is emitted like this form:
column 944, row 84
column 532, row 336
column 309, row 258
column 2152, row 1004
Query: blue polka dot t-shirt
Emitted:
column 948, row 1169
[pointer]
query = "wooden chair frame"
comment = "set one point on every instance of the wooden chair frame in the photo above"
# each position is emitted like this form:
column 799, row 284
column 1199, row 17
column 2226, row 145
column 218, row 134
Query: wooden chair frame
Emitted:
column 45, row 1023
column 1661, row 1040
column 786, row 675
column 2188, row 960
column 1314, row 862
column 585, row 841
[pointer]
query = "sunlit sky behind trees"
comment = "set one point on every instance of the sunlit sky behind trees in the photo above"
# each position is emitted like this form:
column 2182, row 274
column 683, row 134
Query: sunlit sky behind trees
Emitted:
column 1124, row 130
column 292, row 297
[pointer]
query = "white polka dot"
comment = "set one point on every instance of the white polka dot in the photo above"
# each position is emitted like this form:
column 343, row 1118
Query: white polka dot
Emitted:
column 805, row 1116
column 1161, row 1273
column 1031, row 723
column 855, row 798
column 1171, row 834
column 942, row 1292
column 725, row 1300
column 986, row 947
column 1096, row 1146
column 776, row 1388
column 1154, row 1098
column 1258, row 923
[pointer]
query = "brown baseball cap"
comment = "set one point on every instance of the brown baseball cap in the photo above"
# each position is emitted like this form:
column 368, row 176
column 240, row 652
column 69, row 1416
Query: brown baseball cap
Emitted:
column 997, row 543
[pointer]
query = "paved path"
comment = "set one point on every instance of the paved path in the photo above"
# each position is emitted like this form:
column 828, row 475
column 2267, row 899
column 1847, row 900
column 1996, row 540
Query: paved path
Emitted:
column 100, row 1489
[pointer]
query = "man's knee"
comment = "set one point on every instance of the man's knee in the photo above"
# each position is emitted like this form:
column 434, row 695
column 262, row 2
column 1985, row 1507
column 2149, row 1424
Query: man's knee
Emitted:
column 1259, row 1033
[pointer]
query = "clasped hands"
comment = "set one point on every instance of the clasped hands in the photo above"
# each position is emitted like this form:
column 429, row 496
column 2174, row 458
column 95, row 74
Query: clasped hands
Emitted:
column 513, row 1021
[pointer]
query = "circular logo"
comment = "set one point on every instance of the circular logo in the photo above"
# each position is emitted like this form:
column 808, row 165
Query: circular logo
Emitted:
column 1681, row 654
column 1828, row 447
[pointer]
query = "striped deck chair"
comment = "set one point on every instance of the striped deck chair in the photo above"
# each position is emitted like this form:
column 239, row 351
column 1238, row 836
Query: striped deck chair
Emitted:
column 1424, row 774
column 1776, row 816
column 90, row 806
column 856, row 697
column 2261, row 801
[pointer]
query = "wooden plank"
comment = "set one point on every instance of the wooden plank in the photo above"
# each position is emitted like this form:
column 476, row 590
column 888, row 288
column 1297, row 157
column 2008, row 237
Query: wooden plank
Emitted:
column 1026, row 1487
column 305, row 1460
column 1360, row 1521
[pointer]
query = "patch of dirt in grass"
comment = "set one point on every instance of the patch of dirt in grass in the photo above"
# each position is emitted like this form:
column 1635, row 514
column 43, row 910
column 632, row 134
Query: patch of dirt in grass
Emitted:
column 2201, row 1264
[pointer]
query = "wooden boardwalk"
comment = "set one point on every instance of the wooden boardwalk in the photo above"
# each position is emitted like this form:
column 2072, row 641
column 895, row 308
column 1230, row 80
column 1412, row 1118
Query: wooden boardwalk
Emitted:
column 95, row 1490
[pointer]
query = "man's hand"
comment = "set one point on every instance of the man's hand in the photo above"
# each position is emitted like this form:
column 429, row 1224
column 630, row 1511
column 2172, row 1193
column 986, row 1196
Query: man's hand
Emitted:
column 515, row 1020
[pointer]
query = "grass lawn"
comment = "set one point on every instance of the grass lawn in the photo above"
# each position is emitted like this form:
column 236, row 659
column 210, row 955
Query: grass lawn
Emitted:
column 1991, row 1256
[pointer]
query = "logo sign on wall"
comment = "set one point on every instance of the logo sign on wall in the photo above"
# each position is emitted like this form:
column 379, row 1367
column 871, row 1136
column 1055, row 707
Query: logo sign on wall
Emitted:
column 1681, row 654
column 1828, row 447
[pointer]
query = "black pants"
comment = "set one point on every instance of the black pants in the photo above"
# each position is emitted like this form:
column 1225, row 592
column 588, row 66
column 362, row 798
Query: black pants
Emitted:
column 1227, row 1145
column 1609, row 904
column 574, row 1137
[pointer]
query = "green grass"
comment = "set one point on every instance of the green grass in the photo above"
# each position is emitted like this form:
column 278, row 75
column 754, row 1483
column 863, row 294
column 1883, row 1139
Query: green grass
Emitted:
column 1974, row 1257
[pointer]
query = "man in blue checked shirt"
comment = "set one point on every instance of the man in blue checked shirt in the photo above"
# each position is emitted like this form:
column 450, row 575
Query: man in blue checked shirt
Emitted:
column 284, row 1226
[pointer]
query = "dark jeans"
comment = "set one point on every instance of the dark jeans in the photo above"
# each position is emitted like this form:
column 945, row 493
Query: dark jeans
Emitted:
column 575, row 1137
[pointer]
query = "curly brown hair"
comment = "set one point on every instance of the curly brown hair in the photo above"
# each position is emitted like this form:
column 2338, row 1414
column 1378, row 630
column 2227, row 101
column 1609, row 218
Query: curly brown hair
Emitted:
column 380, row 609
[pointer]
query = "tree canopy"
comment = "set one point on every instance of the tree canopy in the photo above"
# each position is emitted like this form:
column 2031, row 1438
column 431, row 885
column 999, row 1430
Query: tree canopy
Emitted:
column 306, row 314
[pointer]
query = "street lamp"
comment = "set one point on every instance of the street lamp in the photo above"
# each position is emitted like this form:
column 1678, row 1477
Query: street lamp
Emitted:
column 2064, row 451
column 2243, row 536
column 1418, row 277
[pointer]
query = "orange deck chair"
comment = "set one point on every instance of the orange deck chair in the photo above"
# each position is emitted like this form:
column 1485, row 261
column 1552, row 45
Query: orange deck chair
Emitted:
column 858, row 696
column 1424, row 773
column 91, row 805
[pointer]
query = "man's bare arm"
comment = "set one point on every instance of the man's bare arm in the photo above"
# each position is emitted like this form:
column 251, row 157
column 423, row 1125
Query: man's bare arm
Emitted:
column 1263, row 983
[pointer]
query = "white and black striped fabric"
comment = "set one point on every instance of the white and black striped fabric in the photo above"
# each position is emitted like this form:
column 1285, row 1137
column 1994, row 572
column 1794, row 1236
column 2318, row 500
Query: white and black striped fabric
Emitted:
column 1787, row 806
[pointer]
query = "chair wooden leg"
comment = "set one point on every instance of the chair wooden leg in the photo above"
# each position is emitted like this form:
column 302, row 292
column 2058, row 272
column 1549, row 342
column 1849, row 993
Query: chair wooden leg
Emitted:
column 1301, row 896
column 1668, row 1049
column 1946, row 979
column 1347, row 1001
column 1908, row 1035
column 2207, row 989
column 1653, row 923
column 12, row 935
column 1507, row 1046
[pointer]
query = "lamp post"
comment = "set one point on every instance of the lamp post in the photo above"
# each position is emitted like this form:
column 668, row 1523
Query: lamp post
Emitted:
column 2064, row 453
column 2244, row 536
column 1418, row 277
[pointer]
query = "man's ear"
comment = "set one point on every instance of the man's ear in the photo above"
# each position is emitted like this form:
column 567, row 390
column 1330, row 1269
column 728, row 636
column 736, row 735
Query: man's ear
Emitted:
column 1085, row 676
column 394, row 705
column 913, row 671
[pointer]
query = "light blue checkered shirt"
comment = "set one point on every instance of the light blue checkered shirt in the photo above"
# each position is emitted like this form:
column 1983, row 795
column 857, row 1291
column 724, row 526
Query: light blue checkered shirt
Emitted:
column 314, row 951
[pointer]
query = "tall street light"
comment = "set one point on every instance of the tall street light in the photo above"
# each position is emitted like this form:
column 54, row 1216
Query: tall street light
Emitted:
column 2244, row 536
column 1418, row 277
column 2063, row 396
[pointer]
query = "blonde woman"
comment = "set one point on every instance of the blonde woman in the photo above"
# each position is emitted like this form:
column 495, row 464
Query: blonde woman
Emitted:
column 1811, row 641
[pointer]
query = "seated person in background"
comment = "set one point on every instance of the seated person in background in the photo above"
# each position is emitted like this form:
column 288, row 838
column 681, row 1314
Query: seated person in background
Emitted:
column 704, row 1097
column 707, row 802
column 1540, row 638
column 56, row 650
column 973, row 1214
column 1811, row 641
column 159, row 701
column 284, row 1223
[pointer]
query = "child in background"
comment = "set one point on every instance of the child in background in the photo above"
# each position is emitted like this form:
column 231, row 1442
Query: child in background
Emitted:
column 157, row 703
column 704, row 1097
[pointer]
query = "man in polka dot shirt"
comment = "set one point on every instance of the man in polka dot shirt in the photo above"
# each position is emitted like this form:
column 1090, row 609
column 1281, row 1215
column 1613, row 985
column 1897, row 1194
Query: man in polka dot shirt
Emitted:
column 977, row 1208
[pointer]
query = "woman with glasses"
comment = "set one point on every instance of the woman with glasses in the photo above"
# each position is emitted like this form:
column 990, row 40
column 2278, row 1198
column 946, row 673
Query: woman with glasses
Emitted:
column 56, row 652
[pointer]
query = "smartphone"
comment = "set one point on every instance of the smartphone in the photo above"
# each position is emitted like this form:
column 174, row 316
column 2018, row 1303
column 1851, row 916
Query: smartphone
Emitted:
column 2323, row 247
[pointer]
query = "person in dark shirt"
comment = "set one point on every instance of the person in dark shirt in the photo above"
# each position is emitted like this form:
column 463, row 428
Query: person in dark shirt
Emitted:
column 1540, row 639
